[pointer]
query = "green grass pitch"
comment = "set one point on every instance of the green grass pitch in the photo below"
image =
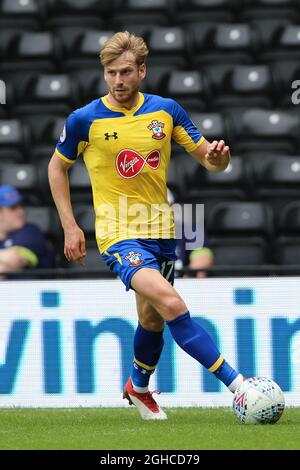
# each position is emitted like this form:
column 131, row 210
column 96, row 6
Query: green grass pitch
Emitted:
column 111, row 429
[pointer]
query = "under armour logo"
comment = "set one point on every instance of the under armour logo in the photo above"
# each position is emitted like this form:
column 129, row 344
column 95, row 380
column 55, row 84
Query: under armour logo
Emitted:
column 108, row 136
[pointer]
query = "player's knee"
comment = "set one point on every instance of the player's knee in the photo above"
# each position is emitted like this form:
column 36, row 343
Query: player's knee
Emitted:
column 153, row 324
column 150, row 319
column 174, row 306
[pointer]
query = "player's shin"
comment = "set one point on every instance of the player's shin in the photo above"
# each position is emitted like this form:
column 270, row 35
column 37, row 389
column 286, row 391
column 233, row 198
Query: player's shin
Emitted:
column 148, row 346
column 194, row 340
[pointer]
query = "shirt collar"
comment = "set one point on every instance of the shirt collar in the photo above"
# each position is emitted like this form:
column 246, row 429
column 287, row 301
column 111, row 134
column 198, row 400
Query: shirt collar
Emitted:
column 124, row 110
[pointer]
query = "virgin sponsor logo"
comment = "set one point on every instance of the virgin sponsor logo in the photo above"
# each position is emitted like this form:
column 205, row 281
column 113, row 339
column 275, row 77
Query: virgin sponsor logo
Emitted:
column 130, row 163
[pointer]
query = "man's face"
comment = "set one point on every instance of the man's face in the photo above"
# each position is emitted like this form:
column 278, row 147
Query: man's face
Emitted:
column 12, row 218
column 202, row 261
column 123, row 77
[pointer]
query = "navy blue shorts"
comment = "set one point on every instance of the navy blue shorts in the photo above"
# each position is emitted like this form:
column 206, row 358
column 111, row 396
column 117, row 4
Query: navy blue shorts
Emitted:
column 126, row 257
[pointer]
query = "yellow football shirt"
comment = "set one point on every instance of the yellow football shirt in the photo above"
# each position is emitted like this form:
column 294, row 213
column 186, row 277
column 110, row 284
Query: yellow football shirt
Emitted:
column 127, row 155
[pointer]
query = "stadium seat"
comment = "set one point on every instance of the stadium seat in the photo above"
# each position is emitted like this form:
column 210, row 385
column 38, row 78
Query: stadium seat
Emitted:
column 45, row 131
column 93, row 260
column 138, row 23
column 24, row 177
column 79, row 177
column 46, row 218
column 92, row 41
column 246, row 86
column 7, row 37
column 233, row 36
column 264, row 130
column 13, row 137
column 285, row 73
column 157, row 76
column 11, row 63
column 211, row 125
column 287, row 246
column 238, row 253
column 285, row 45
column 180, row 166
column 142, row 6
column 82, row 48
column 3, row 112
column 188, row 88
column 168, row 46
column 30, row 178
column 267, row 29
column 241, row 219
column 7, row 93
column 47, row 93
column 204, row 10
column 227, row 43
column 18, row 14
column 137, row 15
column 85, row 217
column 269, row 8
column 190, row 182
column 289, row 219
column 240, row 233
column 79, row 12
column 271, row 3
column 215, row 75
column 91, row 84
column 80, row 7
column 29, row 51
column 80, row 183
column 278, row 176
column 287, row 251
column 10, row 155
column 231, row 184
column 199, row 39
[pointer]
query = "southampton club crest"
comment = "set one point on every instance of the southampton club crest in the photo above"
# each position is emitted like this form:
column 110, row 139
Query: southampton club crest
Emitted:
column 157, row 129
column 134, row 258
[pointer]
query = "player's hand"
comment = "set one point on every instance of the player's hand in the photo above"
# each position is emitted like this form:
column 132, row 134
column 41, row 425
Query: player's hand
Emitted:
column 75, row 248
column 218, row 154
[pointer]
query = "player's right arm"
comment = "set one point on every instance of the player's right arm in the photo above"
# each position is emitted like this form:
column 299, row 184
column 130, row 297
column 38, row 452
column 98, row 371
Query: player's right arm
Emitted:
column 72, row 142
column 74, row 248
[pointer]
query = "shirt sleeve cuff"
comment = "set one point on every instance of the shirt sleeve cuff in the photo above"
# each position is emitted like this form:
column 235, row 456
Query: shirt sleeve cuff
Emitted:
column 28, row 255
column 60, row 155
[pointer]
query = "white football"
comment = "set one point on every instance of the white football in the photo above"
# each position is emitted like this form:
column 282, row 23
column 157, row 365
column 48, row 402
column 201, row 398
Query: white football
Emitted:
column 258, row 401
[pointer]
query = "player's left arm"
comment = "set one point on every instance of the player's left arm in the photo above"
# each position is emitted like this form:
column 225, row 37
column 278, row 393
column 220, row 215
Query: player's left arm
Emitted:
column 214, row 156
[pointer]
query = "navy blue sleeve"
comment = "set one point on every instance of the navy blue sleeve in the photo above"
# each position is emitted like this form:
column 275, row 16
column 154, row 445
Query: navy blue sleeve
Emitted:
column 185, row 133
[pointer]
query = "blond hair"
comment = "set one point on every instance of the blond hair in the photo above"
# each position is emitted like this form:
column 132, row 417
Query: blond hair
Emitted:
column 122, row 42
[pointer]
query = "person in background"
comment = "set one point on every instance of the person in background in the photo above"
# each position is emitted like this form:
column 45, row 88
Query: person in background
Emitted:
column 201, row 258
column 22, row 245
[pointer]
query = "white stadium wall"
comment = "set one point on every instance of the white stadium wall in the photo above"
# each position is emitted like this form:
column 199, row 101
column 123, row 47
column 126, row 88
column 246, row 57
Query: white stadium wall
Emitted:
column 69, row 343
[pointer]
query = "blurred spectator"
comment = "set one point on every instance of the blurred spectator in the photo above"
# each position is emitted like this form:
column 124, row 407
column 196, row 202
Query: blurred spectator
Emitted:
column 21, row 245
column 201, row 258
